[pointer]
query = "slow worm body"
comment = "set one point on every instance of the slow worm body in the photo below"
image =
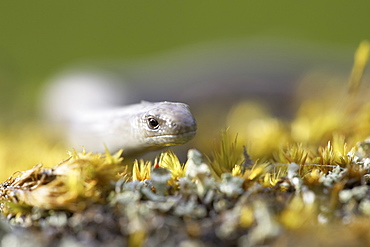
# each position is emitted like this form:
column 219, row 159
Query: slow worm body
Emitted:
column 80, row 105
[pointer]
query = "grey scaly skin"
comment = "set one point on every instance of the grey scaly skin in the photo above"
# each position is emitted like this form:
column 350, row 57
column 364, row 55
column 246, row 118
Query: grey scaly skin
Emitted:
column 136, row 128
column 91, row 110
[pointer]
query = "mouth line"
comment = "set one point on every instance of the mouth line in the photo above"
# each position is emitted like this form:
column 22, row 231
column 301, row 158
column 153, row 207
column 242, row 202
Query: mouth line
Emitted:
column 179, row 136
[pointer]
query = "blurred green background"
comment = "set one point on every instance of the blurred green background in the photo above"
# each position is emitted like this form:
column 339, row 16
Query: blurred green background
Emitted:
column 38, row 38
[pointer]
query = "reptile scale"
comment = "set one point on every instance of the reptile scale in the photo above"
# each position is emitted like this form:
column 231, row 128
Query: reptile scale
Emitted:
column 86, row 108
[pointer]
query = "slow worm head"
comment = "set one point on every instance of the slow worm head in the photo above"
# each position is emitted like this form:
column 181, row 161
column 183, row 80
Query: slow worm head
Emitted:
column 136, row 129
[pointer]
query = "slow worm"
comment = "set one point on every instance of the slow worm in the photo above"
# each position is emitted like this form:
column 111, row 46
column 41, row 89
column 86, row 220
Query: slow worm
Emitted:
column 80, row 104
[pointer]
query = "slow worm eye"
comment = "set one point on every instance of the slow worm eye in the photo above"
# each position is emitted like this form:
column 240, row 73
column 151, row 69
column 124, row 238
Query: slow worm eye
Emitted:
column 153, row 123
